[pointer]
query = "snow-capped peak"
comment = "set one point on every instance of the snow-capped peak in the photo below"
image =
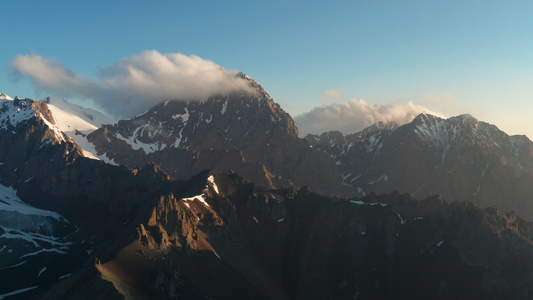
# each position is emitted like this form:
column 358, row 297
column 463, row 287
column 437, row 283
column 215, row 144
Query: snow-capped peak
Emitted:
column 77, row 122
column 5, row 97
column 71, row 117
column 12, row 114
column 63, row 118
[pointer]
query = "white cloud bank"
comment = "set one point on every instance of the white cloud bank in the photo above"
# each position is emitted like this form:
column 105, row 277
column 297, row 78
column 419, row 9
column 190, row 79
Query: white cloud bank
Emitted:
column 355, row 115
column 136, row 83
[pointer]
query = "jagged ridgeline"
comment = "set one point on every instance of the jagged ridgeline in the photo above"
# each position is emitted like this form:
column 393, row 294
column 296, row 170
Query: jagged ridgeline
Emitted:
column 96, row 209
column 460, row 158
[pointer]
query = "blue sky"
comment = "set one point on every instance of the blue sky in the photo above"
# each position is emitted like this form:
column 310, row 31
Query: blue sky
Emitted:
column 450, row 57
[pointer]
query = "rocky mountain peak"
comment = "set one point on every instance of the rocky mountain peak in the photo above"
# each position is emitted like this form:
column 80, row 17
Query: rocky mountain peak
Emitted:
column 5, row 97
column 330, row 137
column 380, row 126
column 246, row 132
column 460, row 130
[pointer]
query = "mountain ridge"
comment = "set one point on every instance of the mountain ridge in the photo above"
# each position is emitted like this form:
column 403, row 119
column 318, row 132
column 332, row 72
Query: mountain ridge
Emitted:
column 459, row 158
column 272, row 243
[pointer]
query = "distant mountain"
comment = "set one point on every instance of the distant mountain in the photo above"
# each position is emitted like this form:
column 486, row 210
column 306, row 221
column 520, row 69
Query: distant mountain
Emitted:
column 250, row 134
column 459, row 158
column 337, row 138
column 5, row 97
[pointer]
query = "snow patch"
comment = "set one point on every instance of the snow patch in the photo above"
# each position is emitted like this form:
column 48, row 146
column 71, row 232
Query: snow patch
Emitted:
column 13, row 266
column 64, row 276
column 211, row 180
column 44, row 250
column 402, row 221
column 200, row 198
column 18, row 292
column 14, row 115
column 5, row 97
column 76, row 122
column 359, row 202
column 138, row 145
column 11, row 202
column 184, row 117
column 224, row 107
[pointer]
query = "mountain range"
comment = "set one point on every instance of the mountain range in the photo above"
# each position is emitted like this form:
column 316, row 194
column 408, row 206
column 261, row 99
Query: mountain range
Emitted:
column 221, row 199
column 460, row 158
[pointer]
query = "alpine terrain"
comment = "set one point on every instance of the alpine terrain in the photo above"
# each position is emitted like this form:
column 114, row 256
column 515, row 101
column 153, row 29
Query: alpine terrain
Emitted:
column 460, row 158
column 248, row 133
column 220, row 199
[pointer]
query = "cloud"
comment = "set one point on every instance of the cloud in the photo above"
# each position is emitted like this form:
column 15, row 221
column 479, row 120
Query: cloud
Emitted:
column 331, row 94
column 47, row 74
column 355, row 115
column 134, row 84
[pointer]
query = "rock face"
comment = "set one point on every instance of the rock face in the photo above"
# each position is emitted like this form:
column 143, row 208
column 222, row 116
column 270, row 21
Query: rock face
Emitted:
column 250, row 134
column 459, row 158
column 226, row 238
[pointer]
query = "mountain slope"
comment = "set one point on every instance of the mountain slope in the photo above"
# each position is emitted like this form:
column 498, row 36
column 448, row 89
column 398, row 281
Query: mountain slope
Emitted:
column 38, row 246
column 248, row 133
column 56, row 206
column 67, row 120
column 77, row 122
column 459, row 158
column 226, row 238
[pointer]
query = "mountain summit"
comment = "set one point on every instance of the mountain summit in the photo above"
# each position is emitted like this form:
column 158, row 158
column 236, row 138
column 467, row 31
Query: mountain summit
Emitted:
column 248, row 133
column 4, row 96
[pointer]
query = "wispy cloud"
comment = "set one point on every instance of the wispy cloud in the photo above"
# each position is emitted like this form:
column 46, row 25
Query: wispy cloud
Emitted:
column 331, row 94
column 355, row 115
column 134, row 84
